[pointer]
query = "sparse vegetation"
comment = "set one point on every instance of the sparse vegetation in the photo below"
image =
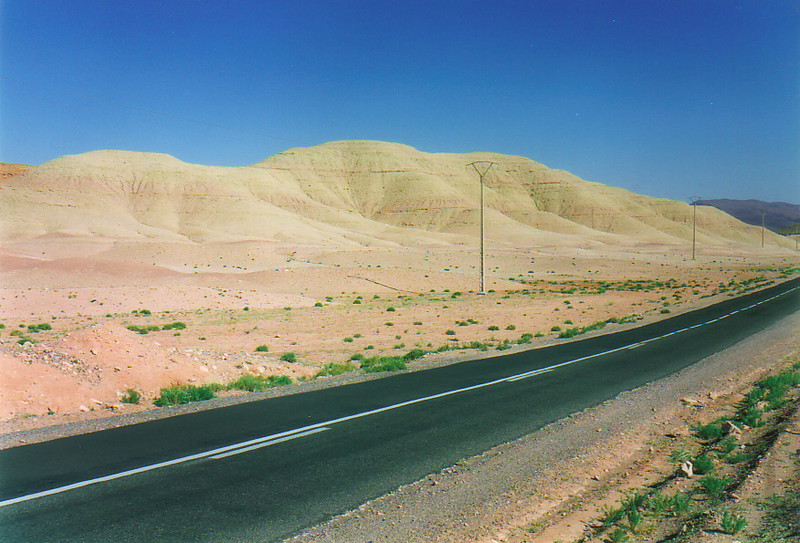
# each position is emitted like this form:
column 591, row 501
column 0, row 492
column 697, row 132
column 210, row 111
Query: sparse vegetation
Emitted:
column 256, row 383
column 131, row 396
column 182, row 394
column 289, row 357
column 334, row 368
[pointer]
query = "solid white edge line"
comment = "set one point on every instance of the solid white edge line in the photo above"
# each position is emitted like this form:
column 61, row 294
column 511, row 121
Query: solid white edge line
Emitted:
column 306, row 429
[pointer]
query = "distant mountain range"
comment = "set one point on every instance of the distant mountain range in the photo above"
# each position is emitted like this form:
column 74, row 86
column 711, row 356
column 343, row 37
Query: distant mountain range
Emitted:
column 778, row 216
column 347, row 194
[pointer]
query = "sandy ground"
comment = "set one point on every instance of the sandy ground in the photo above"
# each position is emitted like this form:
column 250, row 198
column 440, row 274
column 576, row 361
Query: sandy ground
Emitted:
column 322, row 305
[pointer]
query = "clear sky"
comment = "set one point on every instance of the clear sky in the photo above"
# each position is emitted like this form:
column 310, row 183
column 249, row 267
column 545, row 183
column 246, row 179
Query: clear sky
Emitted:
column 672, row 98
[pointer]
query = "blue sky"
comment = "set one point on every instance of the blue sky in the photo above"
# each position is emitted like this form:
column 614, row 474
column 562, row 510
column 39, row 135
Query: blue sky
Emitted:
column 671, row 98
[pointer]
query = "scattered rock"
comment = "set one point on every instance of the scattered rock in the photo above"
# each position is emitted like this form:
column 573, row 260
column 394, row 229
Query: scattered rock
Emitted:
column 687, row 468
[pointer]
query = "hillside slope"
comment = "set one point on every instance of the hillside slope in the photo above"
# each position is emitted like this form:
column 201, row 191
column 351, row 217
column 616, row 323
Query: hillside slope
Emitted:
column 349, row 194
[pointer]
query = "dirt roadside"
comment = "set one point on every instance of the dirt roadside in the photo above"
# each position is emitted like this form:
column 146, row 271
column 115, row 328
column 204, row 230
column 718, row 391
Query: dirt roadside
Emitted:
column 550, row 485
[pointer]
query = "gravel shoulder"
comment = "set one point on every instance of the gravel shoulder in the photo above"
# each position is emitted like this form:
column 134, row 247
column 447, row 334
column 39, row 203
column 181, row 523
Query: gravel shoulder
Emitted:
column 546, row 478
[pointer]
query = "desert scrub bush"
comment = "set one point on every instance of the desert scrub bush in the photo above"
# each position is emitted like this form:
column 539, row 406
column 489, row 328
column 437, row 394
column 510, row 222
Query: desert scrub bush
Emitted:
column 732, row 523
column 33, row 328
column 703, row 464
column 289, row 357
column 710, row 432
column 131, row 396
column 318, row 304
column 334, row 368
column 618, row 536
column 414, row 354
column 177, row 325
column 383, row 363
column 348, row 340
column 357, row 356
column 391, row 309
column 511, row 327
column 450, row 332
column 555, row 328
column 181, row 394
column 256, row 383
column 714, row 486
column 262, row 349
column 727, row 445
column 493, row 328
column 143, row 329
column 524, row 338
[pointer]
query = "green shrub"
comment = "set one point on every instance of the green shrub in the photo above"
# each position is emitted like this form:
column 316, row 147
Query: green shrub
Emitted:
column 262, row 349
column 390, row 309
column 680, row 503
column 740, row 456
column 357, row 356
column 132, row 396
column 450, row 332
column 413, row 354
column 555, row 329
column 511, row 327
column 289, row 357
column 727, row 445
column 751, row 416
column 255, row 383
column 618, row 536
column 732, row 523
column 383, row 363
column 703, row 464
column 333, row 368
column 714, row 486
column 493, row 327
column 318, row 304
column 348, row 340
column 612, row 515
column 711, row 431
column 525, row 338
column 177, row 395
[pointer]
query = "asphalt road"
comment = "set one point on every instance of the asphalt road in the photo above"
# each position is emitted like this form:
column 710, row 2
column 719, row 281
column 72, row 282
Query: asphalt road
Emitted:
column 264, row 470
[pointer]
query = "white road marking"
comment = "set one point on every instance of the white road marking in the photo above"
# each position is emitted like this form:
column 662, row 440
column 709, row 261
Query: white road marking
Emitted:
column 244, row 446
column 267, row 443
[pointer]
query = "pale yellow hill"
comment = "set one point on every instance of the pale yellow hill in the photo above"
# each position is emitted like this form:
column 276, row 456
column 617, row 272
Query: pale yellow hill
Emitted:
column 344, row 194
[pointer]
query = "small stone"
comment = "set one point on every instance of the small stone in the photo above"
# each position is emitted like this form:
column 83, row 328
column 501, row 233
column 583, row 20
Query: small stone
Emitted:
column 687, row 468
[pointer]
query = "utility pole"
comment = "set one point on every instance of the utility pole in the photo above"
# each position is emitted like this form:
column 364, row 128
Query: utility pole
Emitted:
column 482, row 167
column 694, row 224
column 762, row 227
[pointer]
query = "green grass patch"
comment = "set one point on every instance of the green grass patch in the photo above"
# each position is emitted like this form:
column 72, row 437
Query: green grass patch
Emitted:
column 334, row 368
column 182, row 394
column 375, row 364
column 256, row 383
